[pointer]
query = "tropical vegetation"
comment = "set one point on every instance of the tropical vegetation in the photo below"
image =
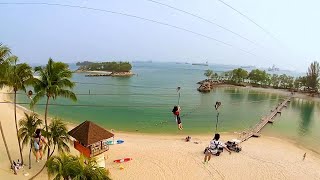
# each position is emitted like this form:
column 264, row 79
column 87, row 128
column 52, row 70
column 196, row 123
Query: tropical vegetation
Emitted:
column 54, row 81
column 5, row 52
column 208, row 73
column 84, row 63
column 107, row 66
column 58, row 135
column 259, row 78
column 66, row 166
column 16, row 76
column 28, row 126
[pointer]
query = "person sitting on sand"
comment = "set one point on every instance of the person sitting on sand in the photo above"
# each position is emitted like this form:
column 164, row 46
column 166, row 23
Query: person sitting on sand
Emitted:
column 215, row 147
column 218, row 146
column 38, row 143
column 17, row 165
column 176, row 111
column 188, row 139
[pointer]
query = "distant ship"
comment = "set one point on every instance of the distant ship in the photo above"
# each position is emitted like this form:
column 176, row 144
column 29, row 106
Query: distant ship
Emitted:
column 273, row 68
column 142, row 61
column 201, row 64
column 247, row 66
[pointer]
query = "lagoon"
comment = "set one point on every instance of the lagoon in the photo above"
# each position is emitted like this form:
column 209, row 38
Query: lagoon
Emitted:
column 143, row 104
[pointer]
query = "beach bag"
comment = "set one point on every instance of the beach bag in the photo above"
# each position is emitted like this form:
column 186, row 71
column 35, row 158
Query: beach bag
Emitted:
column 36, row 145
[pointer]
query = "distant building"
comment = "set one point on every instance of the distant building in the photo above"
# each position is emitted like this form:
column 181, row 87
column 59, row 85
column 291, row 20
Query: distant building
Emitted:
column 273, row 68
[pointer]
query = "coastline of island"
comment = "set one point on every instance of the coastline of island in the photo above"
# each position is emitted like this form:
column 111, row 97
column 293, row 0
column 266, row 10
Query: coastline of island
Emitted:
column 114, row 69
column 306, row 86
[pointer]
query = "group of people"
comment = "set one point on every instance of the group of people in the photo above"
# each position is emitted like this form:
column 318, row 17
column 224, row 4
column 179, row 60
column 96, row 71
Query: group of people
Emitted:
column 38, row 141
column 215, row 147
column 17, row 165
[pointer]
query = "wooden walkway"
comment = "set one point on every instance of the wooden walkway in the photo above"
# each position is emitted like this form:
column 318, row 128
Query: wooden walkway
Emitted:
column 254, row 132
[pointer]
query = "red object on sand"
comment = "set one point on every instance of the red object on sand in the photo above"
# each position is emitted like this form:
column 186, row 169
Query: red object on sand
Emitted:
column 122, row 160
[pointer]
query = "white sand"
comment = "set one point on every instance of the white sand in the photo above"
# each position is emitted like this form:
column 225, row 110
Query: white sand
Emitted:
column 169, row 157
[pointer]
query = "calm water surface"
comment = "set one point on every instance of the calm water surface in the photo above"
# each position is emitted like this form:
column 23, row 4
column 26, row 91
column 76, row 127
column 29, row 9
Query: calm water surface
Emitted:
column 144, row 102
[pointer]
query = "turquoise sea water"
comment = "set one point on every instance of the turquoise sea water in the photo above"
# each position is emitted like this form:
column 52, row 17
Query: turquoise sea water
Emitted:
column 143, row 103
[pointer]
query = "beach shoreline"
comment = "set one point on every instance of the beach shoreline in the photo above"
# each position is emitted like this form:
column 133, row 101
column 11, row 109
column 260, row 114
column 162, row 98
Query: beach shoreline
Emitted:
column 168, row 156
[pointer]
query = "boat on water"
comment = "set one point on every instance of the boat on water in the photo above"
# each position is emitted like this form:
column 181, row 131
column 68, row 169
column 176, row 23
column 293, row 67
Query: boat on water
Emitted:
column 247, row 67
column 142, row 61
column 201, row 64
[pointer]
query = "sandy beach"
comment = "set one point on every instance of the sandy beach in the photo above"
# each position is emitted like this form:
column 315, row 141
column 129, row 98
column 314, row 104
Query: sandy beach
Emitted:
column 170, row 157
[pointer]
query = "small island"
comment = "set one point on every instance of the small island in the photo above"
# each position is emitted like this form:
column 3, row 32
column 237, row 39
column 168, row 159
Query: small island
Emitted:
column 121, row 69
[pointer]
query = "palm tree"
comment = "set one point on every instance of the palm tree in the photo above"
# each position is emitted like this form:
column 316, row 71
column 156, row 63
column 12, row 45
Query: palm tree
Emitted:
column 28, row 126
column 5, row 144
column 54, row 81
column 72, row 167
column 17, row 76
column 4, row 52
column 88, row 169
column 313, row 76
column 61, row 166
column 58, row 135
column 208, row 73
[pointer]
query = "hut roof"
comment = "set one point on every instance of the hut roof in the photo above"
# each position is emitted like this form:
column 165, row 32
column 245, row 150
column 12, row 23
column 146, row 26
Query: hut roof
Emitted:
column 89, row 133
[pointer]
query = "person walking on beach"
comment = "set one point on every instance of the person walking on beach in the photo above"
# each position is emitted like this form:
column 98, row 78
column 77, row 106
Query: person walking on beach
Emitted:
column 176, row 112
column 38, row 143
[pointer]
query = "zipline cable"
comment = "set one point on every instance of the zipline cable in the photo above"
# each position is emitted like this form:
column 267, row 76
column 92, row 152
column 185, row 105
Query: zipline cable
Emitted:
column 205, row 20
column 249, row 19
column 132, row 16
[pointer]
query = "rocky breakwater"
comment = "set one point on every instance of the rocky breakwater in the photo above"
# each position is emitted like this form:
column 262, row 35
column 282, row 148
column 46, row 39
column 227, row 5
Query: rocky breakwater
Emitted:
column 122, row 74
column 207, row 85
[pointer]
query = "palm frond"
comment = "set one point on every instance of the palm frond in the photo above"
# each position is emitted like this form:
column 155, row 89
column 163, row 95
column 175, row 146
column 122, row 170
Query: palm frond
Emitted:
column 68, row 94
column 37, row 97
column 4, row 52
column 28, row 126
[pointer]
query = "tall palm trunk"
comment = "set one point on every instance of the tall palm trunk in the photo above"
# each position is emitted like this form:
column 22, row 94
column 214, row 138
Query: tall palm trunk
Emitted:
column 46, row 123
column 5, row 144
column 30, row 155
column 15, row 120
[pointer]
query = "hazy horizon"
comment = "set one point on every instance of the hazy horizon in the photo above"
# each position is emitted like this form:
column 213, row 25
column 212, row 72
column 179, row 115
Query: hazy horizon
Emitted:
column 70, row 34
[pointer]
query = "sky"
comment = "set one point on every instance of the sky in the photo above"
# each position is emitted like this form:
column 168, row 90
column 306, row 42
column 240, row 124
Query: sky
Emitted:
column 36, row 32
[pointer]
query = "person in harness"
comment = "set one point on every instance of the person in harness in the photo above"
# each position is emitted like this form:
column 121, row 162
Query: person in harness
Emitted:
column 216, row 148
column 176, row 112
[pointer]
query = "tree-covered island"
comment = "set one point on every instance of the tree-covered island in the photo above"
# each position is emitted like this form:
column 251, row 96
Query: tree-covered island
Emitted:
column 113, row 68
column 309, row 83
